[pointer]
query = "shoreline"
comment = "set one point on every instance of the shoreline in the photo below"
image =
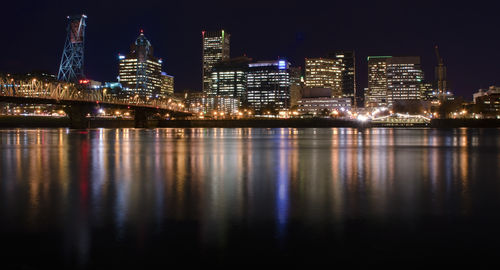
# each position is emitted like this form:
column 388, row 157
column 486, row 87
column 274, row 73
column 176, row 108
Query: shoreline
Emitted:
column 64, row 122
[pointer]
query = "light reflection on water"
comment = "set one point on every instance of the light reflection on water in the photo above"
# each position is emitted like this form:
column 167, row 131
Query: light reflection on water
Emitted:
column 133, row 183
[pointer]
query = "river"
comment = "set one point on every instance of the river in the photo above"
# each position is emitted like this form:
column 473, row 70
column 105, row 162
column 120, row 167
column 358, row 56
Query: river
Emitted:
column 158, row 197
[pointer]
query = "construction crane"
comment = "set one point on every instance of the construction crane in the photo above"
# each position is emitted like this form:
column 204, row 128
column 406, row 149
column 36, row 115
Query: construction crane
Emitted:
column 440, row 75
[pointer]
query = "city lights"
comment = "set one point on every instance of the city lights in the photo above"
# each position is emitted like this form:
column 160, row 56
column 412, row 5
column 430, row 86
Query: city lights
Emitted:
column 233, row 134
column 326, row 88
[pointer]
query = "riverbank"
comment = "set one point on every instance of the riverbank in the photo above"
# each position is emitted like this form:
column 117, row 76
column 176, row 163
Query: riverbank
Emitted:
column 260, row 123
column 11, row 121
column 469, row 123
column 63, row 122
column 326, row 123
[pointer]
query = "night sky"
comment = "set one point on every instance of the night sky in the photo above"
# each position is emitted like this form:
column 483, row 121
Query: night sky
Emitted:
column 33, row 34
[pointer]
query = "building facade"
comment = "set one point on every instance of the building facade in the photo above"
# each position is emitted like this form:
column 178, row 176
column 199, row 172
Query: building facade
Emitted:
column 268, row 85
column 325, row 73
column 140, row 71
column 487, row 102
column 167, row 88
column 207, row 105
column 318, row 101
column 215, row 49
column 297, row 84
column 376, row 96
column 404, row 79
column 322, row 105
column 347, row 63
column 428, row 92
column 229, row 78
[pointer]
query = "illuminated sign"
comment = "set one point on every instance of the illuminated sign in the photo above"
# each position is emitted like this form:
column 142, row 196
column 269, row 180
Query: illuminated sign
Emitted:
column 121, row 57
column 281, row 64
column 84, row 81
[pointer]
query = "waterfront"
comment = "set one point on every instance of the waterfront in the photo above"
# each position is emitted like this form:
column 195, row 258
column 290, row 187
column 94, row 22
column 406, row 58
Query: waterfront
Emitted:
column 12, row 121
column 135, row 197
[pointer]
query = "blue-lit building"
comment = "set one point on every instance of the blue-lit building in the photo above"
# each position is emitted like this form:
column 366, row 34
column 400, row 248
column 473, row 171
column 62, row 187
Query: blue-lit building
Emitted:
column 140, row 71
column 268, row 85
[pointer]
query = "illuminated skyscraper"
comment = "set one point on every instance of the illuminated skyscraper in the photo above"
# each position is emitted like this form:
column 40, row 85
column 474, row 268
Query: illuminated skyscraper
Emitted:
column 404, row 77
column 229, row 78
column 268, row 85
column 377, row 81
column 347, row 61
column 167, row 88
column 324, row 73
column 215, row 50
column 140, row 71
column 297, row 84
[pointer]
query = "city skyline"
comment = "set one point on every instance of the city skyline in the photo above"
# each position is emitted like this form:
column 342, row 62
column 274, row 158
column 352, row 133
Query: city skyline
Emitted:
column 334, row 134
column 467, row 71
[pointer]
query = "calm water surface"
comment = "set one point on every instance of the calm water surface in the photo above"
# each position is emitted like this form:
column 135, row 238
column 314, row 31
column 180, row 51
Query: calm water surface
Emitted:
column 161, row 197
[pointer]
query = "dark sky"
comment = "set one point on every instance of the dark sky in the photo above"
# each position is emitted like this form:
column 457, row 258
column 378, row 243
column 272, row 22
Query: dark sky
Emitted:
column 468, row 34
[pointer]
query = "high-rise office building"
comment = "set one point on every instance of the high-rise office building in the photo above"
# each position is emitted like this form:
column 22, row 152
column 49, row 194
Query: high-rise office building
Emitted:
column 325, row 73
column 167, row 88
column 268, row 85
column 140, row 71
column 404, row 77
column 377, row 81
column 296, row 76
column 215, row 50
column 229, row 78
column 347, row 63
column 297, row 84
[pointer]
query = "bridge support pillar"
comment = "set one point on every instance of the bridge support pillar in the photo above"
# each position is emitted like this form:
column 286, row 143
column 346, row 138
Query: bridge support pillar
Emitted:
column 78, row 115
column 141, row 118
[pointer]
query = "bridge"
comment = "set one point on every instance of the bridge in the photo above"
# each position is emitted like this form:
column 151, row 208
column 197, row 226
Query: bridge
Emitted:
column 398, row 119
column 81, row 102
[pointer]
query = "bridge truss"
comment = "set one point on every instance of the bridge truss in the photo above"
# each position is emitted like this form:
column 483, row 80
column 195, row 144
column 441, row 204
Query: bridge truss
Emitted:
column 401, row 119
column 36, row 91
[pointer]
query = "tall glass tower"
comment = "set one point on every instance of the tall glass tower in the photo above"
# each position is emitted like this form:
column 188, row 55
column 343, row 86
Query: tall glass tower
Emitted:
column 404, row 78
column 347, row 62
column 377, row 82
column 229, row 78
column 215, row 50
column 140, row 71
column 268, row 85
